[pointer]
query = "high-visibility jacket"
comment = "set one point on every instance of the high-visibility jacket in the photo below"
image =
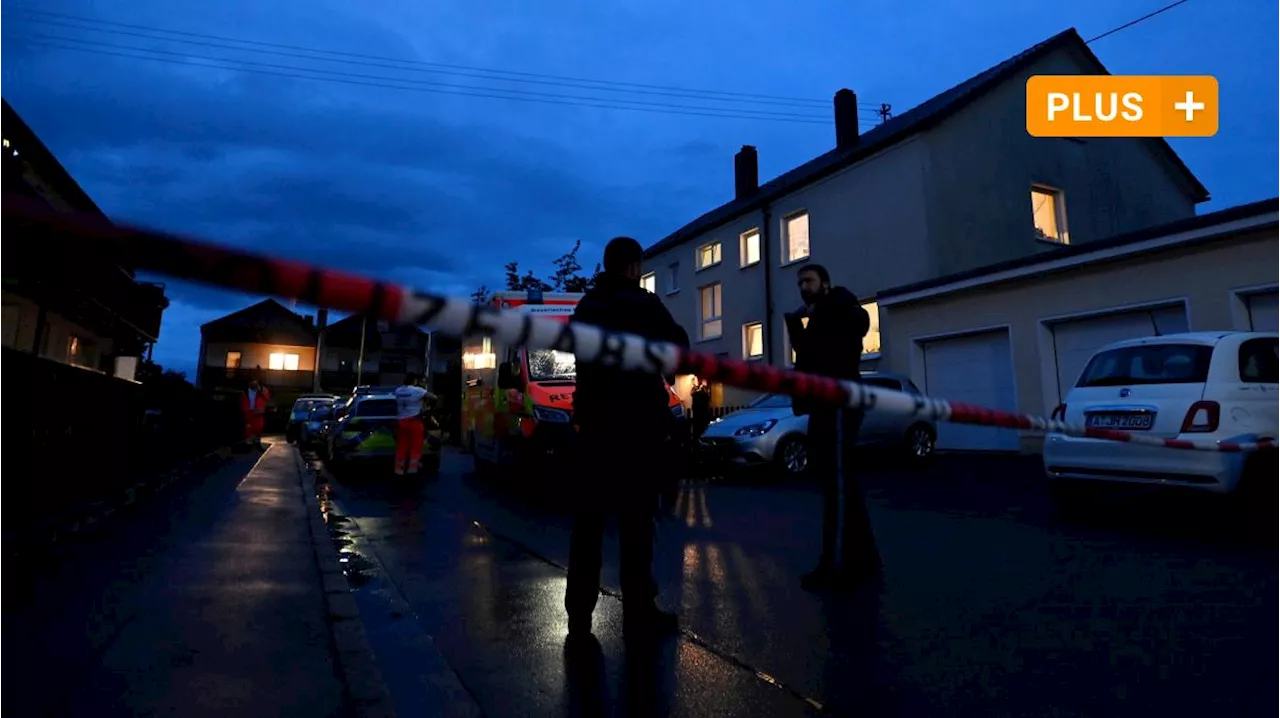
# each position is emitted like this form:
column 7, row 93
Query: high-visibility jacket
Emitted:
column 254, row 416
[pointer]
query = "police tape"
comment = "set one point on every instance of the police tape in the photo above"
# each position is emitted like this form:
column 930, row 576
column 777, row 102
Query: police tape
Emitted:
column 94, row 238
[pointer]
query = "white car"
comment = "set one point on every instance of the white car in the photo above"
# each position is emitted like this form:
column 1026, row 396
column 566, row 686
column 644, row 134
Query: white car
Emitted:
column 1216, row 386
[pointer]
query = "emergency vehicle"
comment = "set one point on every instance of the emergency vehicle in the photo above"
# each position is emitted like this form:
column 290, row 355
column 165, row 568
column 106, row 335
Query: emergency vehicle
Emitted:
column 517, row 404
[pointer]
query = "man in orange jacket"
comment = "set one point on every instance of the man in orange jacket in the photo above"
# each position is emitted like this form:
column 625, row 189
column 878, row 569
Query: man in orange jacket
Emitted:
column 253, row 404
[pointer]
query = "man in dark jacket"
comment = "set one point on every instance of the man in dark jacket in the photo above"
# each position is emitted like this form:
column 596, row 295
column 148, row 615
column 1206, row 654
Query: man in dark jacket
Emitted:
column 624, row 419
column 826, row 335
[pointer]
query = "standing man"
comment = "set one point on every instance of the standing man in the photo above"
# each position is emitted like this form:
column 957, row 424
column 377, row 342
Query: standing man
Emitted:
column 827, row 334
column 253, row 406
column 623, row 420
column 410, row 431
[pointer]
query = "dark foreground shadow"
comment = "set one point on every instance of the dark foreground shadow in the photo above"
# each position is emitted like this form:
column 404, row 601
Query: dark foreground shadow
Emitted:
column 648, row 678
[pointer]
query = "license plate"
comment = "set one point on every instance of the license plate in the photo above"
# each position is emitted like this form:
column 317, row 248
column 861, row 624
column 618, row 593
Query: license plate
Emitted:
column 1122, row 422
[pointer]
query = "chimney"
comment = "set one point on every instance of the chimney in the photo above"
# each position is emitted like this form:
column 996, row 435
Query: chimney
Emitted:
column 746, row 172
column 322, row 318
column 846, row 103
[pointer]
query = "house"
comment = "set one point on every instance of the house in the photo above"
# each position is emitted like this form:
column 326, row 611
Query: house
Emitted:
column 266, row 341
column 1016, row 335
column 389, row 352
column 94, row 316
column 946, row 187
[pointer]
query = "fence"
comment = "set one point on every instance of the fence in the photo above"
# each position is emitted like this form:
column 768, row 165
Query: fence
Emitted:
column 76, row 436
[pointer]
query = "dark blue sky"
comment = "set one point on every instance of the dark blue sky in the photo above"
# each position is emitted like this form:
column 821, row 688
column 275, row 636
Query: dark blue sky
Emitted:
column 440, row 190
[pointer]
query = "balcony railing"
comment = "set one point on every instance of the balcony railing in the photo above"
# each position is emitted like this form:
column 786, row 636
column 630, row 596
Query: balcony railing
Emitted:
column 213, row 378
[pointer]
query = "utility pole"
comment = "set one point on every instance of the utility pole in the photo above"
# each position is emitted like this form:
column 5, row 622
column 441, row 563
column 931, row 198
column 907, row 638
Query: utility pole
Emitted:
column 360, row 359
column 885, row 112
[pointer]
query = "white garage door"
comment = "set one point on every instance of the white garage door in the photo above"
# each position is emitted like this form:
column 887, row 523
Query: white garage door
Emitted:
column 1262, row 312
column 1075, row 341
column 976, row 369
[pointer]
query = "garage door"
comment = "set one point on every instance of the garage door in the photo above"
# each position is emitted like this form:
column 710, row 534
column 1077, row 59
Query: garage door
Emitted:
column 976, row 369
column 1262, row 312
column 1074, row 342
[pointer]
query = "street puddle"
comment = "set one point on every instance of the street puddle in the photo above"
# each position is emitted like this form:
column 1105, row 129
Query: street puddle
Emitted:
column 358, row 569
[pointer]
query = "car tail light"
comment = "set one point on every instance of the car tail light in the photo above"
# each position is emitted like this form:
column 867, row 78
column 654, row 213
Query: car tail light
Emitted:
column 1201, row 418
column 1059, row 413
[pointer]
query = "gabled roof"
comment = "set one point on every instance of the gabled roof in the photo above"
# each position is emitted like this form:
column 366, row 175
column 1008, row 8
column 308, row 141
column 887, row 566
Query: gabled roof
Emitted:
column 346, row 332
column 47, row 167
column 913, row 121
column 267, row 322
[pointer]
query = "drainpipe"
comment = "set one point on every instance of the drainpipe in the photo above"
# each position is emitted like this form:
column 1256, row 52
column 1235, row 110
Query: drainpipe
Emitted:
column 765, row 242
column 360, row 359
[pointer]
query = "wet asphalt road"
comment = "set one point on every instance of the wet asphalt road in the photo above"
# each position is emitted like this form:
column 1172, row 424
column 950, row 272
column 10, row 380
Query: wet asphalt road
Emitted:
column 990, row 604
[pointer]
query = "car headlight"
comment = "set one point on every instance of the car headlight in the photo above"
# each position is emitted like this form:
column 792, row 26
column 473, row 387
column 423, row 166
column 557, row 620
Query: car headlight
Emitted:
column 678, row 411
column 550, row 415
column 756, row 429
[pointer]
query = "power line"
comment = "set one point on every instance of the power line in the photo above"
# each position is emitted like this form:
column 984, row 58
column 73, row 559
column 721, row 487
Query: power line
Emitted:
column 1131, row 23
column 418, row 65
column 598, row 103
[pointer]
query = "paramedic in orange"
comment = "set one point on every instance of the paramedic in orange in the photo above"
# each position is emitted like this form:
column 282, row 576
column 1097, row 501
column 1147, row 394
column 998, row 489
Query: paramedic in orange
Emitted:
column 253, row 405
column 410, row 431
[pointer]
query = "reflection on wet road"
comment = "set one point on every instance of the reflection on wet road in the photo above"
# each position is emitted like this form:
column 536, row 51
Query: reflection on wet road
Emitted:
column 988, row 605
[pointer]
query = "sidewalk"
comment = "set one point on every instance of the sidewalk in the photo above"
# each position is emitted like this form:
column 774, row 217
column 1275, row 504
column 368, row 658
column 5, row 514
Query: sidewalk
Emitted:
column 208, row 603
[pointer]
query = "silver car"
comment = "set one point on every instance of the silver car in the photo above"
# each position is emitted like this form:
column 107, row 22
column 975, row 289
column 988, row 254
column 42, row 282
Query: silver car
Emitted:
column 767, row 433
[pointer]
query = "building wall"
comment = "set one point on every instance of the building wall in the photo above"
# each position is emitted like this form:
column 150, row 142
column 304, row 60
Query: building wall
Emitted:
column 20, row 319
column 1206, row 277
column 983, row 163
column 253, row 356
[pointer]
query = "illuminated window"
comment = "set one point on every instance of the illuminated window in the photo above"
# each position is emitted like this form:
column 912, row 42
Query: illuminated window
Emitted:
column 233, row 360
column 74, row 347
column 712, row 326
column 749, row 247
column 1048, row 215
column 282, row 361
column 485, row 358
column 791, row 352
column 709, row 255
column 795, row 237
column 871, row 342
column 753, row 340
column 649, row 282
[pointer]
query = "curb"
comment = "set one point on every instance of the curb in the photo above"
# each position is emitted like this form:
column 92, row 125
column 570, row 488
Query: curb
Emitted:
column 366, row 689
column 79, row 519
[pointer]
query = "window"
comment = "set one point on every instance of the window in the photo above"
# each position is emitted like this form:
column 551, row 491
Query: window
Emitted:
column 1047, row 214
column 1258, row 361
column 482, row 359
column 795, row 237
column 549, row 364
column 649, row 282
column 709, row 255
column 871, row 342
column 280, row 360
column 791, row 352
column 772, row 401
column 712, row 327
column 376, row 407
column 749, row 247
column 752, row 340
column 1148, row 364
column 673, row 278
column 11, row 314
column 74, row 348
column 233, row 360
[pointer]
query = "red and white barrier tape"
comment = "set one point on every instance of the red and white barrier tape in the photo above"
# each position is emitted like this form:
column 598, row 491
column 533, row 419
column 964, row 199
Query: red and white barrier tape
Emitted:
column 95, row 237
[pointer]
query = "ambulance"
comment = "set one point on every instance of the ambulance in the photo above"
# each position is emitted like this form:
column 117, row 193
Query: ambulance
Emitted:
column 517, row 404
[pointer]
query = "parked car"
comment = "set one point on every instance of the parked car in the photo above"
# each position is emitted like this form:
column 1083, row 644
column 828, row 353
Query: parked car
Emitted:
column 766, row 433
column 365, row 430
column 301, row 411
column 315, row 430
column 1217, row 386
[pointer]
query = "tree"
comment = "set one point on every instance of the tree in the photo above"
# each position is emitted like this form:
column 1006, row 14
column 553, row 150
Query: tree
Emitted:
column 567, row 276
column 481, row 295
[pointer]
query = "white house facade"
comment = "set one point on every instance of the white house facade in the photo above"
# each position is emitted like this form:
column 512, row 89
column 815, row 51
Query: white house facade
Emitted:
column 951, row 185
column 1017, row 335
